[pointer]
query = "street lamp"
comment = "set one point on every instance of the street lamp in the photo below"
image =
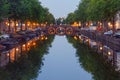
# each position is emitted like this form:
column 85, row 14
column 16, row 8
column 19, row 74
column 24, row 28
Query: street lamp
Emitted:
column 109, row 53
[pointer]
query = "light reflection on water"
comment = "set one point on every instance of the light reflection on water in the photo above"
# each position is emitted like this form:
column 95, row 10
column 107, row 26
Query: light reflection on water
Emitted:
column 61, row 63
column 16, row 52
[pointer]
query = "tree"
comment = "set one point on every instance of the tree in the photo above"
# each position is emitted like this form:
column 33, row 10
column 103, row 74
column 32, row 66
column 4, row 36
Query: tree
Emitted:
column 3, row 9
column 97, row 10
column 70, row 18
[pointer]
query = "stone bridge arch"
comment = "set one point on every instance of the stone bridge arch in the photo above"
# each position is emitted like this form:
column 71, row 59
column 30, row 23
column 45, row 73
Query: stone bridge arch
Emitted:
column 60, row 30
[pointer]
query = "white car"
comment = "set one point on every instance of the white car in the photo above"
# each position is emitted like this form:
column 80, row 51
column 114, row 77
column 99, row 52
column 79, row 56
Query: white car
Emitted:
column 108, row 32
column 92, row 28
column 117, row 34
column 5, row 36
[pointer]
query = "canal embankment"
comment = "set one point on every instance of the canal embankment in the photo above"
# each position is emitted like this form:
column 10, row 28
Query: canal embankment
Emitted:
column 110, row 41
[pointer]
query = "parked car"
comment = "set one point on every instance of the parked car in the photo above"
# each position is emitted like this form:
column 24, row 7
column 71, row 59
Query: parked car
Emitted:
column 5, row 36
column 108, row 32
column 117, row 34
column 86, row 29
column 92, row 28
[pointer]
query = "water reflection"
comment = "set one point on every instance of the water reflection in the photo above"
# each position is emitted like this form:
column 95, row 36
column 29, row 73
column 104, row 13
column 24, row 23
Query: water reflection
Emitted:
column 61, row 63
column 99, row 65
column 24, row 61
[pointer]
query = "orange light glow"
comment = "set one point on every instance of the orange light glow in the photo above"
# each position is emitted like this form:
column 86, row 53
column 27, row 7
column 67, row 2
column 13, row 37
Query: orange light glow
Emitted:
column 37, row 24
column 28, row 43
column 16, row 24
column 12, row 55
column 34, row 44
column 28, row 23
column 42, row 38
column 75, row 37
column 17, row 49
column 7, row 23
column 34, row 24
column 23, row 45
column 46, row 38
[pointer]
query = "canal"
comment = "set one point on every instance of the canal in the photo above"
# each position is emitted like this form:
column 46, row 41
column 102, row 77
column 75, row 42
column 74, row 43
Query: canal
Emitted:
column 56, row 58
column 62, row 63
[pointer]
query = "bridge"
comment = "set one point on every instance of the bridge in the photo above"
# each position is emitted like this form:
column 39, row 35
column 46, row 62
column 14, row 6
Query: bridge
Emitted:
column 62, row 30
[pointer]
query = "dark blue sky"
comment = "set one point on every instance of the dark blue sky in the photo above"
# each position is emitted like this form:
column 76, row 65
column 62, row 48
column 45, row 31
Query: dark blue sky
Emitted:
column 60, row 8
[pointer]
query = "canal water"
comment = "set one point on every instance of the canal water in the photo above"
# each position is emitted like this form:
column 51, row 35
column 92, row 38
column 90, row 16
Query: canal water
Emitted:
column 56, row 58
column 62, row 63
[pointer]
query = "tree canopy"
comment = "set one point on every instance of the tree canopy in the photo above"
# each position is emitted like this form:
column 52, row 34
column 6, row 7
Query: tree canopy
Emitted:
column 96, row 10
column 25, row 10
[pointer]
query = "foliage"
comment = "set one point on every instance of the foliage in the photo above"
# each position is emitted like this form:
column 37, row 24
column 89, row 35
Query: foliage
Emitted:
column 96, row 10
column 70, row 19
column 25, row 10
column 3, row 9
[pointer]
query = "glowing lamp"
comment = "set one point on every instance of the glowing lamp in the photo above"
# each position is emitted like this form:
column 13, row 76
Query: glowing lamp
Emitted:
column 109, row 53
column 17, row 49
column 101, row 48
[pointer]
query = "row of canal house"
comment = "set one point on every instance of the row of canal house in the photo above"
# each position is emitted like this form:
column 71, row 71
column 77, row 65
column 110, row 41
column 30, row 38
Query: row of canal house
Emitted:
column 106, row 26
column 108, row 53
column 12, row 26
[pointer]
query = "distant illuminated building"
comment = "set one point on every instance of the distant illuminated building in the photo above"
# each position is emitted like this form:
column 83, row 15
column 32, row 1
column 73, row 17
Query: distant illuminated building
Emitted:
column 117, row 23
